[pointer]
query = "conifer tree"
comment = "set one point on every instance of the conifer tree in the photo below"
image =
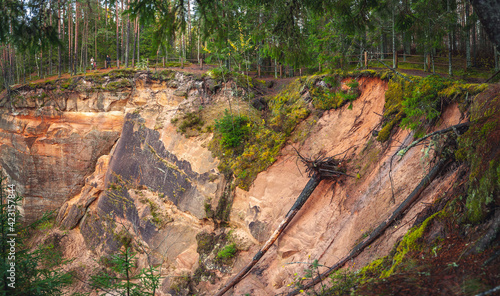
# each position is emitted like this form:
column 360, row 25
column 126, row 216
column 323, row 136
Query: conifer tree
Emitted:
column 122, row 277
column 24, row 271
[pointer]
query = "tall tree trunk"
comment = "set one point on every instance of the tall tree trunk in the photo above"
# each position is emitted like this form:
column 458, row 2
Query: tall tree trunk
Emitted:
column 425, row 53
column 127, row 47
column 60, row 38
column 157, row 54
column 474, row 44
column 40, row 68
column 488, row 12
column 134, row 41
column 382, row 47
column 18, row 69
column 190, row 36
column 123, row 36
column 467, row 36
column 404, row 46
column 198, row 52
column 106, row 22
column 496, row 57
column 50, row 52
column 86, row 41
column 138, row 42
column 77, row 17
column 393, row 38
column 24, row 66
column 117, row 37
column 95, row 32
column 450, row 70
column 182, row 51
column 70, row 52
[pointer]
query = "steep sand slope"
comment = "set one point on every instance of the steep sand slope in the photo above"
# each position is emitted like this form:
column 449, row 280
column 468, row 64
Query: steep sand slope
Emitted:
column 337, row 214
column 123, row 158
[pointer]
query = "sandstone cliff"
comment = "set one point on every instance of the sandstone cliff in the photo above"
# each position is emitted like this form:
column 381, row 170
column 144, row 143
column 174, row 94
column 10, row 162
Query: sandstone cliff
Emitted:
column 108, row 155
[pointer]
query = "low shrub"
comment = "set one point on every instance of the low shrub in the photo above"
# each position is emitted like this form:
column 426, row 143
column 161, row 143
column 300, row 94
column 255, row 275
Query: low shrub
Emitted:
column 233, row 130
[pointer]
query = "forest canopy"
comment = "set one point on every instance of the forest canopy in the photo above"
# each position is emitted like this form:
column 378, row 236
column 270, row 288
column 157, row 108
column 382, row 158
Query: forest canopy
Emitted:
column 47, row 37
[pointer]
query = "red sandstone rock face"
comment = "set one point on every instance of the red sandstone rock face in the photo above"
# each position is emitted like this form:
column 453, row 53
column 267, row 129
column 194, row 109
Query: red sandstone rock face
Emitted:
column 122, row 167
column 337, row 215
column 48, row 155
column 153, row 182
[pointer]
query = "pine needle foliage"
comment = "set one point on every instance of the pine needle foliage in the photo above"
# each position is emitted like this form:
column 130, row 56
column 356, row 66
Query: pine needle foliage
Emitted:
column 35, row 272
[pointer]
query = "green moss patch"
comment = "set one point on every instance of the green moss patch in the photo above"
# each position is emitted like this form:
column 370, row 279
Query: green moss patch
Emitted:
column 121, row 73
column 410, row 242
column 480, row 147
column 418, row 104
column 164, row 75
column 119, row 84
column 255, row 143
column 227, row 252
column 189, row 124
column 241, row 80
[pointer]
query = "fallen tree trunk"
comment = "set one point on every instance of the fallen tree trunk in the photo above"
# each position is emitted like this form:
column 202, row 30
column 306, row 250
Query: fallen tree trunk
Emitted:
column 381, row 228
column 304, row 195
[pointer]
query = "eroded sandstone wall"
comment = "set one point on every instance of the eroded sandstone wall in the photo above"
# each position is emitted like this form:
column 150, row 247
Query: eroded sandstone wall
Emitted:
column 113, row 165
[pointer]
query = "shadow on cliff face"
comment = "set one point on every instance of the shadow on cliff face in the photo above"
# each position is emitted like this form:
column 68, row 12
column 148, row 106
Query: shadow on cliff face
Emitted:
column 140, row 160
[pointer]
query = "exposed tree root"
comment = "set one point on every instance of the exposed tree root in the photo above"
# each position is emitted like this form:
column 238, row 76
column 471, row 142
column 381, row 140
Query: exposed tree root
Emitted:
column 458, row 128
column 319, row 168
column 381, row 228
column 326, row 167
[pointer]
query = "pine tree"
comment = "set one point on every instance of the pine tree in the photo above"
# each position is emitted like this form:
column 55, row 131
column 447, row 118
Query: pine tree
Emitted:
column 24, row 271
column 122, row 278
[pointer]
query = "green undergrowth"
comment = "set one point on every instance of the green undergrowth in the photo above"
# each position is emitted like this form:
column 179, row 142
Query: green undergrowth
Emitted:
column 396, row 261
column 233, row 130
column 189, row 124
column 119, row 79
column 164, row 75
column 326, row 98
column 119, row 84
column 169, row 64
column 221, row 74
column 247, row 146
column 418, row 104
column 410, row 242
column 227, row 252
column 120, row 73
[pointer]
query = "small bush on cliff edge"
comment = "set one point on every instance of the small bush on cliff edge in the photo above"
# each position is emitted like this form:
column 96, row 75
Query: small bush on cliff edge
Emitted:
column 255, row 143
column 233, row 130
